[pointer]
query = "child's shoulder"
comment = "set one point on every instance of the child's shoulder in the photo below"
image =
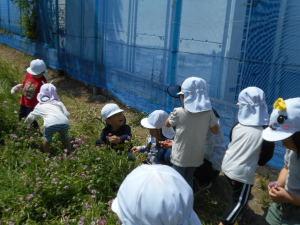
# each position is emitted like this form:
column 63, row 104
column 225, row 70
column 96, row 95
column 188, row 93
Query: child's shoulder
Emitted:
column 247, row 127
column 126, row 126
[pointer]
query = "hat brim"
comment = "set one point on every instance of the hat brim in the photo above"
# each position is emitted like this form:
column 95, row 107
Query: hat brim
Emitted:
column 29, row 70
column 275, row 135
column 145, row 123
column 114, row 113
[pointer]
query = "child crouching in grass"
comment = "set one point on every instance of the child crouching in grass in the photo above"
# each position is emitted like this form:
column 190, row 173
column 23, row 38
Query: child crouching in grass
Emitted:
column 116, row 131
column 54, row 114
column 159, row 134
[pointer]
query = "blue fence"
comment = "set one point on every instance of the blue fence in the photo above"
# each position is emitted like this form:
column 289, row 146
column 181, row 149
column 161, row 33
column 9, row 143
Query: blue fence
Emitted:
column 135, row 48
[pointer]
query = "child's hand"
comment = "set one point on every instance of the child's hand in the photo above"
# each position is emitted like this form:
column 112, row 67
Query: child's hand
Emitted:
column 114, row 139
column 166, row 144
column 279, row 194
column 135, row 149
column 16, row 88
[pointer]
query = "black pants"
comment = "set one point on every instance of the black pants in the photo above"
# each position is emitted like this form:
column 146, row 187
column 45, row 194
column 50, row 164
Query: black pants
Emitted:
column 24, row 112
column 205, row 173
column 240, row 197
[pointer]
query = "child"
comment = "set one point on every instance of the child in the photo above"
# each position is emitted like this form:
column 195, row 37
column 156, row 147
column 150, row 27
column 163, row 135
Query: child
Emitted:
column 34, row 78
column 159, row 133
column 155, row 195
column 54, row 114
column 116, row 130
column 285, row 126
column 241, row 158
column 213, row 157
column 192, row 123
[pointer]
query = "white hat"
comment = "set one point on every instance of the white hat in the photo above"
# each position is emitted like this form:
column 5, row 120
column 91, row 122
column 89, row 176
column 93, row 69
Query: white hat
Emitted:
column 253, row 110
column 37, row 67
column 155, row 195
column 47, row 93
column 109, row 110
column 156, row 120
column 195, row 95
column 284, row 120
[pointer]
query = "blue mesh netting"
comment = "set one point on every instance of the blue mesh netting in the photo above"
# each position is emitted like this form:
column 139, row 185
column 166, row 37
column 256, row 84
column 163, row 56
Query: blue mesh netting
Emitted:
column 135, row 48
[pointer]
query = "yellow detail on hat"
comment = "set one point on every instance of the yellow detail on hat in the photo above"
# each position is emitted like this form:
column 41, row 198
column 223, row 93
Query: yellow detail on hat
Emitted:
column 280, row 104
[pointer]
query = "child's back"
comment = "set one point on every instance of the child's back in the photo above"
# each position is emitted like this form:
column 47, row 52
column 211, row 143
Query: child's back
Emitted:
column 192, row 123
column 241, row 157
column 190, row 138
column 53, row 113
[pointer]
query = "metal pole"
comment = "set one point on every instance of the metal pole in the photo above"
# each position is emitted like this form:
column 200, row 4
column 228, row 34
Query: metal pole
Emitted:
column 174, row 41
column 174, row 46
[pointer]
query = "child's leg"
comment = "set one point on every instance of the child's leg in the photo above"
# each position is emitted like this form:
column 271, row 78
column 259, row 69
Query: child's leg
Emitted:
column 241, row 194
column 48, row 133
column 186, row 172
column 205, row 173
column 167, row 156
column 64, row 133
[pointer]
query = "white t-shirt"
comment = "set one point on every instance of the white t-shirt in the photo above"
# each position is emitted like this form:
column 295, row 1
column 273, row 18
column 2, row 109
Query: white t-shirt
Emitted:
column 241, row 158
column 292, row 162
column 53, row 113
column 190, row 136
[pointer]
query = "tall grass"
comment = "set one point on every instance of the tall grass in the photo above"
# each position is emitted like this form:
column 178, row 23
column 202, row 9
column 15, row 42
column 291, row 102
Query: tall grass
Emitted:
column 60, row 189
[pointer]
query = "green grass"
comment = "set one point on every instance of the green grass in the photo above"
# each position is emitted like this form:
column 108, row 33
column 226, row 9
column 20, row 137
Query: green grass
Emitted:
column 61, row 189
column 68, row 189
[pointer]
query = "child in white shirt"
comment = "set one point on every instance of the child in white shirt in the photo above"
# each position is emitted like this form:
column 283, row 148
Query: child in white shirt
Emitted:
column 192, row 123
column 54, row 114
column 242, row 156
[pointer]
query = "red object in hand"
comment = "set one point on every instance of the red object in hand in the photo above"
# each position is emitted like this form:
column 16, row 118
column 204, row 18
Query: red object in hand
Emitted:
column 166, row 144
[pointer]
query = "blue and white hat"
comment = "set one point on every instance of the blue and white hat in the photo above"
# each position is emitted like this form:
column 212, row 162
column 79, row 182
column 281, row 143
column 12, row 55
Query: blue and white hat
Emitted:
column 195, row 95
column 253, row 110
column 109, row 110
column 37, row 66
column 157, row 120
column 284, row 120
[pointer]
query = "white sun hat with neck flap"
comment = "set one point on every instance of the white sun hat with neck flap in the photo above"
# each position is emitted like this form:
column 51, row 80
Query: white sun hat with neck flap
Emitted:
column 157, row 120
column 284, row 120
column 253, row 110
column 195, row 94
column 155, row 195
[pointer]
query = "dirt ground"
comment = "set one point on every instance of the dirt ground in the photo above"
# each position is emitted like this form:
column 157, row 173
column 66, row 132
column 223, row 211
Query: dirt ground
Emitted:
column 216, row 199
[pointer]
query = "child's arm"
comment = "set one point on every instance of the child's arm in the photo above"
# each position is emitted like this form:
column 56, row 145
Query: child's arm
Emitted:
column 282, row 177
column 214, row 123
column 102, row 140
column 215, row 129
column 33, row 115
column 172, row 120
column 279, row 194
column 16, row 88
column 266, row 152
column 168, row 124
column 127, row 134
